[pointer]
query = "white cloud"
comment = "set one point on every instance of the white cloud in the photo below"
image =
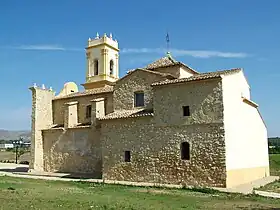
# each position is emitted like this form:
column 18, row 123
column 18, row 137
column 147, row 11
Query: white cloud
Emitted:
column 40, row 47
column 193, row 53
column 45, row 47
column 175, row 52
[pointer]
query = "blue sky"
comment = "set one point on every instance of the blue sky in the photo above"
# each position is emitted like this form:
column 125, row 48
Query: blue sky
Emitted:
column 43, row 42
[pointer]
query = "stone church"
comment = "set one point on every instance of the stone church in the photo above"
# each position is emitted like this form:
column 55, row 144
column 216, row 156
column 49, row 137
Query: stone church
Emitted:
column 163, row 123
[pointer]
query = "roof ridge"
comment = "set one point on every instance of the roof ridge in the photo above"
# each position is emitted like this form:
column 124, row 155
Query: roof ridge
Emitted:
column 222, row 71
column 167, row 60
column 185, row 65
column 169, row 56
column 128, row 114
column 146, row 70
column 201, row 76
column 95, row 91
column 154, row 72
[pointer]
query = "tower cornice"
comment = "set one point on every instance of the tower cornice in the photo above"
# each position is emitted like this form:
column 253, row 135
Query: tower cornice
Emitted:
column 104, row 44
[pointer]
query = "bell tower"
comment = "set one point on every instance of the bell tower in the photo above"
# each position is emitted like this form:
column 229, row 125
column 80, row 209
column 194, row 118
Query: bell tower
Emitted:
column 102, row 55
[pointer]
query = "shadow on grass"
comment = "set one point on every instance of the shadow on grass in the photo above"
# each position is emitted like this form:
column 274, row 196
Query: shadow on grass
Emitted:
column 202, row 190
column 82, row 176
column 17, row 169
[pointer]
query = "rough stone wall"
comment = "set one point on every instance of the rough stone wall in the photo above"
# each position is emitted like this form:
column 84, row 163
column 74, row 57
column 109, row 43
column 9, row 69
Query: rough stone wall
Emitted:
column 138, row 81
column 76, row 150
column 205, row 99
column 83, row 101
column 155, row 153
column 154, row 142
column 41, row 118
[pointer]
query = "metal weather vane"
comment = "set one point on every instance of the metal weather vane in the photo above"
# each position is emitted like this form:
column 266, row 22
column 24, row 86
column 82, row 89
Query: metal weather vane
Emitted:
column 167, row 41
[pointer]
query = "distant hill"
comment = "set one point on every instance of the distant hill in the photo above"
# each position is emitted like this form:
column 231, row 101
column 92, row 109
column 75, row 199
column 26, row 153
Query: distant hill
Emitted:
column 14, row 135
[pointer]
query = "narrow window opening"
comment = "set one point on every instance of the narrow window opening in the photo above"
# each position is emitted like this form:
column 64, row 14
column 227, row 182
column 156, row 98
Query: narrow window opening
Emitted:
column 111, row 67
column 186, row 111
column 139, row 99
column 185, row 151
column 127, row 156
column 88, row 111
column 72, row 91
column 95, row 67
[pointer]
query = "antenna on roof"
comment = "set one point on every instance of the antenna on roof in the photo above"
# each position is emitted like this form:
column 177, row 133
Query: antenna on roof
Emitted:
column 167, row 43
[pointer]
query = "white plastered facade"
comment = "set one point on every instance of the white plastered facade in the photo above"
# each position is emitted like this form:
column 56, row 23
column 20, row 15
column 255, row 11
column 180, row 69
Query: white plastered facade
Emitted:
column 247, row 157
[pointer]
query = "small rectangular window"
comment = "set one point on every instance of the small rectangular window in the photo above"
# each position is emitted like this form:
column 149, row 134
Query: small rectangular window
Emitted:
column 186, row 111
column 185, row 151
column 88, row 111
column 139, row 99
column 127, row 156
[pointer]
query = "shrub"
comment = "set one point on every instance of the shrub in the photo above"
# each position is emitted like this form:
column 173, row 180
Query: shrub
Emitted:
column 10, row 149
column 25, row 162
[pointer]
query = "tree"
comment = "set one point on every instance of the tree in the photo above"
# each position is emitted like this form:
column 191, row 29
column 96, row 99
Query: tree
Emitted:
column 19, row 151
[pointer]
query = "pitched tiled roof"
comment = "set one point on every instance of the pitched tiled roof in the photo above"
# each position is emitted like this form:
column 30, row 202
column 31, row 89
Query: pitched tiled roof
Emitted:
column 128, row 114
column 169, row 76
column 162, row 62
column 201, row 76
column 167, row 61
column 106, row 89
column 156, row 72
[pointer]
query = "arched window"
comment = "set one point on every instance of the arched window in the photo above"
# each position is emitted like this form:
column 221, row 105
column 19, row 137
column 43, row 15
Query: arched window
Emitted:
column 95, row 67
column 185, row 151
column 111, row 67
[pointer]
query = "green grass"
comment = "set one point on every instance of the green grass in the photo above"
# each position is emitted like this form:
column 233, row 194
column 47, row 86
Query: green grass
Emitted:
column 17, row 193
column 274, row 162
column 272, row 187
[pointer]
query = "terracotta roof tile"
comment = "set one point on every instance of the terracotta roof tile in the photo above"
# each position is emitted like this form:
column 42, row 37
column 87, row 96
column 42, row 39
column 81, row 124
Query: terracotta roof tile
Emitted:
column 166, row 75
column 128, row 114
column 201, row 76
column 167, row 61
column 162, row 62
column 107, row 89
column 159, row 73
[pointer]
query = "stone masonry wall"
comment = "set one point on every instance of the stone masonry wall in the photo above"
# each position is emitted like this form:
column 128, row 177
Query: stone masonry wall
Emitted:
column 83, row 101
column 155, row 153
column 204, row 98
column 137, row 81
column 76, row 150
column 154, row 142
column 41, row 118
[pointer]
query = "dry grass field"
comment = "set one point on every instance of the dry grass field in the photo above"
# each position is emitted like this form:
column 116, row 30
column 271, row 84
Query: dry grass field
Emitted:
column 11, row 157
